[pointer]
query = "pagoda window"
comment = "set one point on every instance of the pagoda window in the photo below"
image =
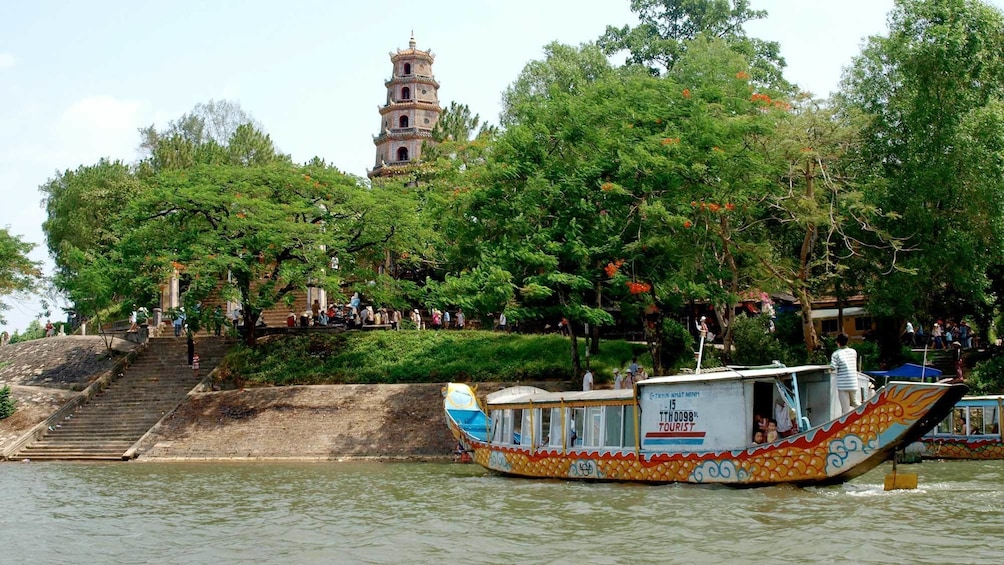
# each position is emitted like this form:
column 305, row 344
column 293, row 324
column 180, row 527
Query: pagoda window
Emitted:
column 403, row 121
column 406, row 93
column 402, row 154
column 407, row 68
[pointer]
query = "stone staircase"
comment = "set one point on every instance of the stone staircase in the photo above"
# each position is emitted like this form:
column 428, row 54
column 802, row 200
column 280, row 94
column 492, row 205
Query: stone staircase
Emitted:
column 116, row 418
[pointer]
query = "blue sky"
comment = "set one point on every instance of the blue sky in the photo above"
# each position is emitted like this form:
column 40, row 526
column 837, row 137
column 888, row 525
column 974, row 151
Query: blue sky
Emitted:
column 78, row 78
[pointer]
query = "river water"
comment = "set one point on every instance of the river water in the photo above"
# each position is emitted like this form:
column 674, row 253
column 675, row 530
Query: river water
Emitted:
column 57, row 513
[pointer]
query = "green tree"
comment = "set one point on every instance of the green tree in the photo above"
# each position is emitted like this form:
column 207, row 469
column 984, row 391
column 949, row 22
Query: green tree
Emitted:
column 19, row 275
column 666, row 28
column 80, row 206
column 932, row 90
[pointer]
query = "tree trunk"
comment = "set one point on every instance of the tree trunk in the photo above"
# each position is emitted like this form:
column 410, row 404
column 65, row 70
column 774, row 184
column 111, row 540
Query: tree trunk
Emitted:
column 250, row 326
column 808, row 329
column 594, row 329
column 574, row 341
column 654, row 338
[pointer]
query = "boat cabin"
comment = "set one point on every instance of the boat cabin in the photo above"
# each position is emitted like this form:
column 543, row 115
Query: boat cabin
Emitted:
column 972, row 416
column 712, row 411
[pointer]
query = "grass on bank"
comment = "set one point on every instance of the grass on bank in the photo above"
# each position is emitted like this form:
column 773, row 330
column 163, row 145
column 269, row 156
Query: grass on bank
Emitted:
column 418, row 357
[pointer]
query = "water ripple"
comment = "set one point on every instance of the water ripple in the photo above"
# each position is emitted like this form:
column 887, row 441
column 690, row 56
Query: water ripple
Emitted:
column 443, row 513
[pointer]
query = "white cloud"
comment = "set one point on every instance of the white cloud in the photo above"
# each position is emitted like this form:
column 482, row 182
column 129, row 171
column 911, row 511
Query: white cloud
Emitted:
column 7, row 60
column 100, row 126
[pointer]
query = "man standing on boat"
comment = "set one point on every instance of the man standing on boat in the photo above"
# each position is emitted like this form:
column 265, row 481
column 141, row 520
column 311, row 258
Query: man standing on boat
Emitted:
column 844, row 362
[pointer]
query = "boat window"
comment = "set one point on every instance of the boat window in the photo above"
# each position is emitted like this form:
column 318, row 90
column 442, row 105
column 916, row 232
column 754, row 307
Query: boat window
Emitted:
column 629, row 426
column 959, row 422
column 497, row 417
column 975, row 419
column 578, row 426
column 542, row 426
column 945, row 426
column 992, row 420
column 556, row 436
column 612, row 423
column 529, row 434
column 516, row 420
column 594, row 426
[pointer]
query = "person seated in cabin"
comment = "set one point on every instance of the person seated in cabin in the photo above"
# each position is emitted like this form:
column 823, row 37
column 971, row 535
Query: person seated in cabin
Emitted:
column 758, row 437
column 772, row 434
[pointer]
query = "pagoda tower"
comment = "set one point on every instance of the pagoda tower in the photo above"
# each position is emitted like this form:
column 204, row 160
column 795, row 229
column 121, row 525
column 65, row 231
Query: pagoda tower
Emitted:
column 411, row 111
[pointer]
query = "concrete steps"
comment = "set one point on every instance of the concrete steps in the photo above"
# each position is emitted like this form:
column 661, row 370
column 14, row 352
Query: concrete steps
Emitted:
column 109, row 424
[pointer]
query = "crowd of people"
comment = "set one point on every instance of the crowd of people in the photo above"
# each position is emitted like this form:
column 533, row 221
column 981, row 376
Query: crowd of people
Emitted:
column 942, row 335
column 623, row 379
column 354, row 314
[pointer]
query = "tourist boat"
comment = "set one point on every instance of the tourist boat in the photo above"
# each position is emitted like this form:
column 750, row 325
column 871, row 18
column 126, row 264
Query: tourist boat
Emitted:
column 971, row 431
column 695, row 428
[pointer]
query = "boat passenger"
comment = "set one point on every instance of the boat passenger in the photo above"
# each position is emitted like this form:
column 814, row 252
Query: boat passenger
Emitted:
column 782, row 414
column 772, row 434
column 758, row 437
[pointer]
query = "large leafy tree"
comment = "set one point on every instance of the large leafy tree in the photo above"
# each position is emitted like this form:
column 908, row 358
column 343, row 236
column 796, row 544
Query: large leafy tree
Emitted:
column 18, row 273
column 932, row 89
column 263, row 231
column 666, row 28
column 80, row 206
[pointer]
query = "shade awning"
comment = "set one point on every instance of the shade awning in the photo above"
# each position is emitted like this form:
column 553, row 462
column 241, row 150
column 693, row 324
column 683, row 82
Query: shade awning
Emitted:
column 908, row 371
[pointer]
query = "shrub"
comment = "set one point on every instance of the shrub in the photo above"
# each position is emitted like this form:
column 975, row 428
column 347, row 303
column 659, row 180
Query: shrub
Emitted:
column 988, row 376
column 754, row 343
column 7, row 404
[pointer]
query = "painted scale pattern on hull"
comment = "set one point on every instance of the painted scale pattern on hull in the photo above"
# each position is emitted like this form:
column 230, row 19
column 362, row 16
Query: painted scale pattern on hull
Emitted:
column 963, row 449
column 825, row 452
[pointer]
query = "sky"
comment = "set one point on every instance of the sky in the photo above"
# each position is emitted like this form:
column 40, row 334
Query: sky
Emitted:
column 77, row 79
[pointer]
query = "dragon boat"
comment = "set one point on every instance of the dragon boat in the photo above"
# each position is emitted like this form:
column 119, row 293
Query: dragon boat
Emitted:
column 695, row 428
column 971, row 431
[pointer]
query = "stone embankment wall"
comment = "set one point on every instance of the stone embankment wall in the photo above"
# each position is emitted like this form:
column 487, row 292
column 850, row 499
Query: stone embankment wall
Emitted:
column 44, row 374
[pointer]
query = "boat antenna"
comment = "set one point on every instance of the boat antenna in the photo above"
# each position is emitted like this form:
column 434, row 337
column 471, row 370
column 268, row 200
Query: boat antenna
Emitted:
column 700, row 349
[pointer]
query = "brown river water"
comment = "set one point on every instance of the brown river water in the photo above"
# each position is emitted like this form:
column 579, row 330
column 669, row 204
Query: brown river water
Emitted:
column 55, row 513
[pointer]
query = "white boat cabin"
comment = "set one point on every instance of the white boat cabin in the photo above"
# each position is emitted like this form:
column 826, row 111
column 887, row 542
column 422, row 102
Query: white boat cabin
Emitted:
column 973, row 416
column 712, row 411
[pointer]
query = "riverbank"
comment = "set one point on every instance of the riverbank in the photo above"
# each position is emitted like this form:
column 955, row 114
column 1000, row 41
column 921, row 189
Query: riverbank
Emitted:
column 315, row 422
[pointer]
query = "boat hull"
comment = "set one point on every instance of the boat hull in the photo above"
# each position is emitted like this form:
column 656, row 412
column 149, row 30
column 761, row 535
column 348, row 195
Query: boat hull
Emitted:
column 832, row 453
column 963, row 448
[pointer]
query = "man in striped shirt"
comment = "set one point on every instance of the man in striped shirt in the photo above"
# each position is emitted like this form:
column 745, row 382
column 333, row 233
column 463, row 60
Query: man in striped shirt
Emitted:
column 844, row 362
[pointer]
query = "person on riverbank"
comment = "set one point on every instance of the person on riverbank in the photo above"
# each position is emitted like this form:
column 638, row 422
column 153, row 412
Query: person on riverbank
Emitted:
column 179, row 321
column 844, row 364
column 618, row 379
column 4, row 338
column 587, row 380
column 195, row 365
column 461, row 320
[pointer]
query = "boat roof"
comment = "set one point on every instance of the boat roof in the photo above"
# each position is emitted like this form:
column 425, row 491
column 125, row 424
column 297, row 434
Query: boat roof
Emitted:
column 606, row 395
column 735, row 373
column 985, row 398
column 564, row 396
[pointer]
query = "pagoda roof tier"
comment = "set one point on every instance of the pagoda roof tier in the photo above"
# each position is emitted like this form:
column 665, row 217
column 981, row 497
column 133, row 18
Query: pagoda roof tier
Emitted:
column 401, row 133
column 390, row 107
column 412, row 79
column 412, row 53
column 390, row 169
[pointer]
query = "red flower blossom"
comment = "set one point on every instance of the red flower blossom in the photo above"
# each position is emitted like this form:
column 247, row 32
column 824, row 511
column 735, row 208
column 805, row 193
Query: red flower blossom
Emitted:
column 607, row 186
column 638, row 287
column 688, row 224
column 686, row 93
